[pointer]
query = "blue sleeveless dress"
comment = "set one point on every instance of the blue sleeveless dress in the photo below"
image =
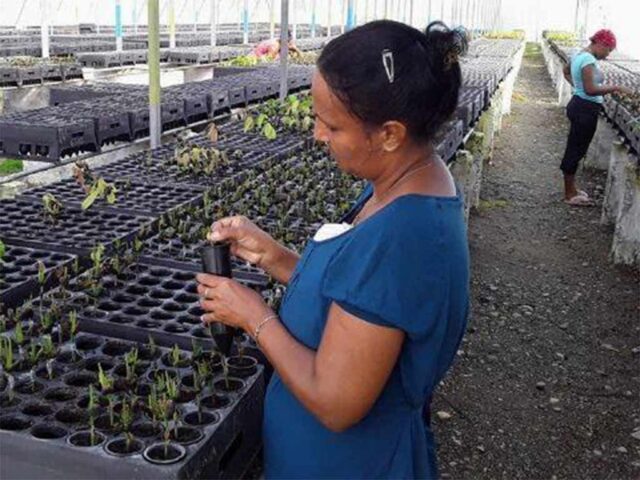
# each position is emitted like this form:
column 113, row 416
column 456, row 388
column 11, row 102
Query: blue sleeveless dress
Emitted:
column 405, row 267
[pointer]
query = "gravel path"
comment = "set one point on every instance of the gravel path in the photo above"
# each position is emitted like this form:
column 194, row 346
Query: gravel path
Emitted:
column 547, row 384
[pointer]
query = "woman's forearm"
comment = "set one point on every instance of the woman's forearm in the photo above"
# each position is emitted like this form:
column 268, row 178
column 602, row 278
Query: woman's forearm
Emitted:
column 280, row 263
column 601, row 90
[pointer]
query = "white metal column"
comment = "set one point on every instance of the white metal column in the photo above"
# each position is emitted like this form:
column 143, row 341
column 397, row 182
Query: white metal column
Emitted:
column 172, row 24
column 284, row 49
column 245, row 22
column 118, row 25
column 214, row 21
column 44, row 28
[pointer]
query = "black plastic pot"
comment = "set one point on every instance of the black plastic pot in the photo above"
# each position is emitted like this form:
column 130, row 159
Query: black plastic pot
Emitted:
column 161, row 454
column 121, row 447
column 86, row 439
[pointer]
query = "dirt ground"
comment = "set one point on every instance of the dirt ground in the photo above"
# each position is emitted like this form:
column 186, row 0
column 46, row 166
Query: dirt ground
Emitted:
column 547, row 381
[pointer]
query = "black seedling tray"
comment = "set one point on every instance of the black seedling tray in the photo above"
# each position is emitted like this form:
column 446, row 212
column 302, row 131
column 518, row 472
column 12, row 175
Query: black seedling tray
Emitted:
column 158, row 167
column 43, row 416
column 148, row 301
column 71, row 71
column 143, row 199
column 75, row 231
column 48, row 139
column 9, row 76
column 233, row 136
column 51, row 73
column 30, row 75
column 629, row 126
column 19, row 272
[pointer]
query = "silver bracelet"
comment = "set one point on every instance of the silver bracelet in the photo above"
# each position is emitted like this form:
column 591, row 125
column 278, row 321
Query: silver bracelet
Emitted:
column 264, row 321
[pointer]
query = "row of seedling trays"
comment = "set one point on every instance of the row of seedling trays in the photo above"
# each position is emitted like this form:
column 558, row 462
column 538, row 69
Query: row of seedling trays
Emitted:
column 52, row 133
column 38, row 74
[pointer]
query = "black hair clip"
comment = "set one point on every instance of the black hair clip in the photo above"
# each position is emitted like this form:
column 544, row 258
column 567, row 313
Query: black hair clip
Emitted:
column 387, row 62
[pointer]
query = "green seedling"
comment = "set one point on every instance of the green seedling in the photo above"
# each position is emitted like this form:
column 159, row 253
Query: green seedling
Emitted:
column 171, row 386
column 73, row 325
column 6, row 354
column 3, row 249
column 48, row 349
column 105, row 381
column 130, row 362
column 18, row 333
column 97, row 260
column 175, row 356
column 111, row 400
column 33, row 353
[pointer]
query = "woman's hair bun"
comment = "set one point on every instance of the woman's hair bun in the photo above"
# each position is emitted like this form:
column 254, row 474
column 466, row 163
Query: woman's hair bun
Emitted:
column 448, row 44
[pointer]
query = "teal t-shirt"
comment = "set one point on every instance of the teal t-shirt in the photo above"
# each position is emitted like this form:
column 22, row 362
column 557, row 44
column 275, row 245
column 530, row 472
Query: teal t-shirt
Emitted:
column 578, row 62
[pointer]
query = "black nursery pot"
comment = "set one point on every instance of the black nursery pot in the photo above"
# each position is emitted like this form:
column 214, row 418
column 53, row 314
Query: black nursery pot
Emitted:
column 156, row 453
column 84, row 439
column 242, row 366
column 119, row 447
column 216, row 259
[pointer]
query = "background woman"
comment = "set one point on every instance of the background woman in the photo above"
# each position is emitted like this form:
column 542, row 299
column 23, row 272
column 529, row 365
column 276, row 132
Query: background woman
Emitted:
column 583, row 108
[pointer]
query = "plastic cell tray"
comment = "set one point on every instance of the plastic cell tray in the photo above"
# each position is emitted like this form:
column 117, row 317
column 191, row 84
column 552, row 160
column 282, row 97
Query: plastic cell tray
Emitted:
column 47, row 139
column 38, row 425
column 75, row 231
column 153, row 301
column 142, row 199
column 19, row 272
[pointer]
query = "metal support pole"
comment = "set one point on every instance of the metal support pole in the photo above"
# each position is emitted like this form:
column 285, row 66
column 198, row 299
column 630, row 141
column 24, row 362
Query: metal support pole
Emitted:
column 366, row 11
column 272, row 19
column 429, row 12
column 313, row 18
column 293, row 20
column 467, row 19
column 44, row 28
column 386, row 9
column 214, row 21
column 343, row 15
column 245, row 22
column 329, row 2
column 172, row 24
column 155, row 119
column 134, row 16
column 118, row 25
column 350, row 16
column 410, row 12
column 195, row 15
column 284, row 49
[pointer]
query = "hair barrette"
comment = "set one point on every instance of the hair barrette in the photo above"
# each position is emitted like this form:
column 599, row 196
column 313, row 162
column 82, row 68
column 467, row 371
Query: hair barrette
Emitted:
column 387, row 62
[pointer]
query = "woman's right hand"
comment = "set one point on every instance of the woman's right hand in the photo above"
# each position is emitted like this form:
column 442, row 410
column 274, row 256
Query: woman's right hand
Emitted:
column 624, row 90
column 247, row 240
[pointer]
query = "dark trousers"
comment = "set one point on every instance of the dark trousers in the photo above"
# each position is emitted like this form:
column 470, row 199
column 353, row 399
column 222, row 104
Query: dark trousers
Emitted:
column 583, row 115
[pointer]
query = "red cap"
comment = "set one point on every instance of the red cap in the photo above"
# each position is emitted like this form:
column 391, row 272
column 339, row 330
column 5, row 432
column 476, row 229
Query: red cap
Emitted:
column 604, row 37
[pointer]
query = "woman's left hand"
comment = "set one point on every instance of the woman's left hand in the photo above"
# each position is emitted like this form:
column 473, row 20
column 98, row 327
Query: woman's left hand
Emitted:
column 227, row 301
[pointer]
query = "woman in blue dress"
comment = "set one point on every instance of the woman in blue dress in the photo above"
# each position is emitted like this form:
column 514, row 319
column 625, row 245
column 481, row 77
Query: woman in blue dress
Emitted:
column 375, row 306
